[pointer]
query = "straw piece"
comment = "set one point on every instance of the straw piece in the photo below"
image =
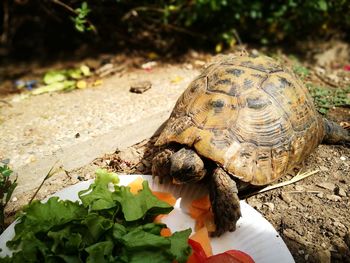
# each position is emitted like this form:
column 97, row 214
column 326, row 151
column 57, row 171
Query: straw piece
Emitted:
column 298, row 177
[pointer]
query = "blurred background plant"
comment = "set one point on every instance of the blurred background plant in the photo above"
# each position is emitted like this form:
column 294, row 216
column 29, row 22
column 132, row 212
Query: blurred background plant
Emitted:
column 29, row 25
column 6, row 189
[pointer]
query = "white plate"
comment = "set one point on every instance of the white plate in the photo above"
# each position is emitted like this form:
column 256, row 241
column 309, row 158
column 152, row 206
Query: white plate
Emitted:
column 254, row 234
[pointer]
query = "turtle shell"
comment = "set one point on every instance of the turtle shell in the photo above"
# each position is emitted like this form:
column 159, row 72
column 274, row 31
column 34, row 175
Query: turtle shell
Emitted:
column 250, row 115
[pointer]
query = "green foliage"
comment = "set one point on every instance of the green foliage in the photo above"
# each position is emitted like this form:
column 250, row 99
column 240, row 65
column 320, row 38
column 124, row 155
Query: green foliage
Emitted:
column 80, row 20
column 110, row 224
column 253, row 20
column 6, row 189
column 326, row 98
column 162, row 23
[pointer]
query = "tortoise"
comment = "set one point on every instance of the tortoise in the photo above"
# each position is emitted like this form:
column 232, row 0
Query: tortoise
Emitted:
column 244, row 121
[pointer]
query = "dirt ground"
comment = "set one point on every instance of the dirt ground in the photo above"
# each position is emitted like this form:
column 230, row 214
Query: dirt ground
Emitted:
column 311, row 215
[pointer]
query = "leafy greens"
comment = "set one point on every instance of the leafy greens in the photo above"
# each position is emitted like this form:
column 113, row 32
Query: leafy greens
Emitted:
column 110, row 224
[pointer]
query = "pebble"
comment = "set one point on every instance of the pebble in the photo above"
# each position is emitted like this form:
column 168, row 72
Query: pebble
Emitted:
column 140, row 86
column 299, row 188
column 327, row 185
column 340, row 191
column 14, row 199
column 320, row 195
column 286, row 197
column 343, row 158
column 324, row 168
column 271, row 206
column 149, row 65
column 334, row 198
column 199, row 63
column 188, row 66
column 255, row 203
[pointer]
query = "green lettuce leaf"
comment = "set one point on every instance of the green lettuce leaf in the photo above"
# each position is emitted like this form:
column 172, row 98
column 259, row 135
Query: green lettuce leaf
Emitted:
column 143, row 204
column 98, row 196
column 40, row 217
column 100, row 252
column 109, row 225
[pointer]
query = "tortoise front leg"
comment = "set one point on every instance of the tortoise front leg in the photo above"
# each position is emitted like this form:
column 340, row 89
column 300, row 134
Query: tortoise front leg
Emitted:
column 161, row 164
column 225, row 202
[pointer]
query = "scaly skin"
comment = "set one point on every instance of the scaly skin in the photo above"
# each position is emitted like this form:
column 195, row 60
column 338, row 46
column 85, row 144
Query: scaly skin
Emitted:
column 225, row 202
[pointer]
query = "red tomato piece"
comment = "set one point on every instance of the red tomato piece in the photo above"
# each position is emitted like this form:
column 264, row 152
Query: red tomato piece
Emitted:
column 230, row 256
column 198, row 254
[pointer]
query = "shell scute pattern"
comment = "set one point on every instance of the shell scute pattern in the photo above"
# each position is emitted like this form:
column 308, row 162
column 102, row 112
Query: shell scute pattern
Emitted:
column 250, row 115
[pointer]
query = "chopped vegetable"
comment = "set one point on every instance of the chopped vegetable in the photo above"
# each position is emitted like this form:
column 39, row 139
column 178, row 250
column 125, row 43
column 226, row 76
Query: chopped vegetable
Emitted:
column 230, row 256
column 165, row 232
column 198, row 254
column 136, row 185
column 166, row 197
column 202, row 237
column 111, row 224
column 202, row 203
column 200, row 211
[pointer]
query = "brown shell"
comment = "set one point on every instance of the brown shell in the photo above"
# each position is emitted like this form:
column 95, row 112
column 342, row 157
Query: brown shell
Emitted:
column 250, row 115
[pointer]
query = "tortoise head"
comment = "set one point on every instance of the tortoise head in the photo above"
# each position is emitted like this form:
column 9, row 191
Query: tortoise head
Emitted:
column 186, row 166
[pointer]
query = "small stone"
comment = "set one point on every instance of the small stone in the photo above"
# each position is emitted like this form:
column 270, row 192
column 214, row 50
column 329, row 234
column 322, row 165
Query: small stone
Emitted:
column 286, row 197
column 301, row 252
column 149, row 65
column 324, row 169
column 343, row 158
column 307, row 257
column 327, row 185
column 320, row 195
column 188, row 66
column 199, row 63
column 340, row 191
column 255, row 203
column 334, row 198
column 271, row 206
column 140, row 87
column 299, row 188
column 14, row 199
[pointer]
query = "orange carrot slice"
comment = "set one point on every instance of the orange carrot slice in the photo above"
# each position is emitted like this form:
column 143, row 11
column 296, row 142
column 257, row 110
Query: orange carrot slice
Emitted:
column 166, row 197
column 136, row 185
column 165, row 232
column 202, row 203
column 200, row 211
column 202, row 237
column 195, row 212
column 208, row 221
